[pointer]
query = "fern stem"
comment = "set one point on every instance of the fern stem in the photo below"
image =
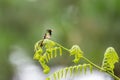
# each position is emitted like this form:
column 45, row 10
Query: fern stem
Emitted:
column 62, row 47
column 114, row 76
column 92, row 63
column 117, row 78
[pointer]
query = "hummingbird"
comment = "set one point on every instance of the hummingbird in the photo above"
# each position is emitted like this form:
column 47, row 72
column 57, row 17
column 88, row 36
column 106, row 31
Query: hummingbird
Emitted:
column 47, row 35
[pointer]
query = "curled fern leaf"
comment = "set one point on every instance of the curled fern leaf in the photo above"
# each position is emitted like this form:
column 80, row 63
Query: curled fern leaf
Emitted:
column 37, row 55
column 37, row 45
column 38, row 50
column 110, row 58
column 77, row 52
column 48, row 43
column 46, row 68
column 53, row 53
column 72, row 69
column 45, row 50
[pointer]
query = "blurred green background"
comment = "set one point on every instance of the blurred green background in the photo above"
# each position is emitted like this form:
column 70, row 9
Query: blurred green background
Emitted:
column 92, row 24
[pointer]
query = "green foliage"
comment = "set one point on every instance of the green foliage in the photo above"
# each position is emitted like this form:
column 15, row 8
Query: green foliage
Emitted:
column 77, row 52
column 69, row 71
column 23, row 21
column 110, row 58
column 50, row 49
column 46, row 52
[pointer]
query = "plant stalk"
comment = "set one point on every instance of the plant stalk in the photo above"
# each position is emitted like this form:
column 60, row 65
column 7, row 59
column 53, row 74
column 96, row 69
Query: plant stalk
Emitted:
column 114, row 76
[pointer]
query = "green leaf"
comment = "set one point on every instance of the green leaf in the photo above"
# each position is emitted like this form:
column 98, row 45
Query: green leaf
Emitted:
column 55, row 76
column 110, row 58
column 48, row 43
column 60, row 49
column 77, row 52
column 66, row 70
column 85, row 68
column 47, row 78
column 62, row 72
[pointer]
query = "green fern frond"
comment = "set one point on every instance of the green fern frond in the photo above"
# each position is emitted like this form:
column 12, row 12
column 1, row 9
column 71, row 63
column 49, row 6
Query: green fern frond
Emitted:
column 53, row 53
column 110, row 58
column 37, row 55
column 46, row 68
column 69, row 70
column 46, row 49
column 46, row 52
column 37, row 45
column 48, row 43
column 77, row 52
